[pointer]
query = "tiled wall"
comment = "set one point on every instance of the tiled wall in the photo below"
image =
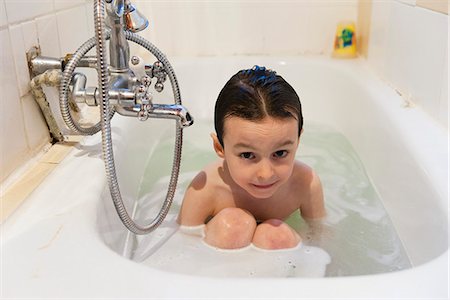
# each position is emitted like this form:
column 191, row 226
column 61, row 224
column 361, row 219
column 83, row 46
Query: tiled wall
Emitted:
column 408, row 47
column 58, row 27
column 246, row 27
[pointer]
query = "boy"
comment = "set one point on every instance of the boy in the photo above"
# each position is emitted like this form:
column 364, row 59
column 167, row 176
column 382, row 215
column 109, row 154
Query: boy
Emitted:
column 244, row 197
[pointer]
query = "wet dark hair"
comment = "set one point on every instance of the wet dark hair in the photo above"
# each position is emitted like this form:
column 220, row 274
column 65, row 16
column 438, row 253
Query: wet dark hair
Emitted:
column 254, row 94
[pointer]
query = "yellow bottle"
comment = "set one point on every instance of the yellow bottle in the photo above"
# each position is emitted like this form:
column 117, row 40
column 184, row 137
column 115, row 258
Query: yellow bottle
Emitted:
column 345, row 40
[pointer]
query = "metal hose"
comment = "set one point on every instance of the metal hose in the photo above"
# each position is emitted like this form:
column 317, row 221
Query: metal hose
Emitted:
column 64, row 90
column 108, row 155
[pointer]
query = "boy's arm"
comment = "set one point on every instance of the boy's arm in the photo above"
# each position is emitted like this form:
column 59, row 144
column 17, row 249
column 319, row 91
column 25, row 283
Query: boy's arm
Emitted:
column 313, row 207
column 197, row 204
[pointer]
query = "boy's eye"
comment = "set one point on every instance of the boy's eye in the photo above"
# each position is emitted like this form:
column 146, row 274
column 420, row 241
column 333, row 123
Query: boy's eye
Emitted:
column 247, row 155
column 280, row 154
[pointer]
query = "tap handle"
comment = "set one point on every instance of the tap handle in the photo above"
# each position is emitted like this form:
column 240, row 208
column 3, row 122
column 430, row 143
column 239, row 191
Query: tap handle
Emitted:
column 160, row 73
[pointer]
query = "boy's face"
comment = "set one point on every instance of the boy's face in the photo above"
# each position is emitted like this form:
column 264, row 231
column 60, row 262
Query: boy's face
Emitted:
column 259, row 154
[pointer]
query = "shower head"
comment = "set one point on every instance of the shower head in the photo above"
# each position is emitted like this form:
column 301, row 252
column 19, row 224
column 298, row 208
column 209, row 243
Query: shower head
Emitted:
column 134, row 20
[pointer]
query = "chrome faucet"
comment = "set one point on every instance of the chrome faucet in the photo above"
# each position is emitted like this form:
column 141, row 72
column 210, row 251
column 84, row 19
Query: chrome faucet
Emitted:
column 128, row 94
column 121, row 88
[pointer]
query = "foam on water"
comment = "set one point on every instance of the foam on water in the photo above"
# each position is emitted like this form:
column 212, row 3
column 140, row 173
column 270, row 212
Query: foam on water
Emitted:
column 188, row 253
column 357, row 233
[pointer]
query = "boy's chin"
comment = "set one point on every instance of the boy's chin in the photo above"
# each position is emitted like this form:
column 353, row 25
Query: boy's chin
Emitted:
column 261, row 193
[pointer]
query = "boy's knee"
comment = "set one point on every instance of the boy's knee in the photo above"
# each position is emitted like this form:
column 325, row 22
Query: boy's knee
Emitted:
column 231, row 228
column 275, row 234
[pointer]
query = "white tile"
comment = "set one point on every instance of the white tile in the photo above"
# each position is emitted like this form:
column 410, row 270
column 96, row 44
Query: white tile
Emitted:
column 13, row 144
column 210, row 38
column 416, row 49
column 242, row 37
column 430, row 47
column 35, row 125
column 89, row 7
column 286, row 29
column 182, row 18
column 379, row 34
column 30, row 39
column 163, row 34
column 20, row 59
column 401, row 54
column 72, row 28
column 444, row 100
column 64, row 4
column 48, row 36
column 3, row 18
column 218, row 34
column 27, row 9
column 30, row 34
column 146, row 7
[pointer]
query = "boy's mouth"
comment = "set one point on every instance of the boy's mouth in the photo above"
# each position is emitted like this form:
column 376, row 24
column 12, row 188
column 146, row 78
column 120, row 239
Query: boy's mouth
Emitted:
column 263, row 186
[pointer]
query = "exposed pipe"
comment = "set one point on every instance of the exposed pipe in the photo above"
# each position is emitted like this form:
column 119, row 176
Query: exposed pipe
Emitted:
column 50, row 78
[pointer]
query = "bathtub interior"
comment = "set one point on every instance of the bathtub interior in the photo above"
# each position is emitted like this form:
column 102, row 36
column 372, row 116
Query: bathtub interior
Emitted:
column 342, row 95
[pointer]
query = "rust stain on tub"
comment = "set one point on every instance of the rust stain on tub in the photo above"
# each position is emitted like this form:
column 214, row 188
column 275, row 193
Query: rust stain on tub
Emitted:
column 52, row 239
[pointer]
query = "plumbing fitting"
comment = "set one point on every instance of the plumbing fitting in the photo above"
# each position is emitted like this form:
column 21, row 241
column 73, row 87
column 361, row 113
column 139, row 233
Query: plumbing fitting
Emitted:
column 49, row 78
column 104, row 85
column 120, row 90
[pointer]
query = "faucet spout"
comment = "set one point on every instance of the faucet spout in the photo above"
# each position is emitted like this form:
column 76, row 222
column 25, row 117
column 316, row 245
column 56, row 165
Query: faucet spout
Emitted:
column 171, row 111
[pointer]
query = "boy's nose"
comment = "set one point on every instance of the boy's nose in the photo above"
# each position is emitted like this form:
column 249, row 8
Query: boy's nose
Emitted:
column 265, row 170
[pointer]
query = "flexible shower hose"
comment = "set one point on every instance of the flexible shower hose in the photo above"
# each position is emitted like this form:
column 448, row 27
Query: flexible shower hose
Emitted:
column 107, row 112
column 108, row 155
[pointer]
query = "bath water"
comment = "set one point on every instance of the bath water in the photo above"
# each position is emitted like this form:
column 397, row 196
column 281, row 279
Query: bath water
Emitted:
column 356, row 237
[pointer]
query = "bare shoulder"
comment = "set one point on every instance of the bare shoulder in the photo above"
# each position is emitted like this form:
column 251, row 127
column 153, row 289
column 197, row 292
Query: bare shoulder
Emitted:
column 305, row 177
column 302, row 170
column 199, row 199
column 310, row 188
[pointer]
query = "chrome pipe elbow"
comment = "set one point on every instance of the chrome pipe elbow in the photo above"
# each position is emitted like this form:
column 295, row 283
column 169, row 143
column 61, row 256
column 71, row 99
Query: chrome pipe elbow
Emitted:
column 81, row 94
column 171, row 111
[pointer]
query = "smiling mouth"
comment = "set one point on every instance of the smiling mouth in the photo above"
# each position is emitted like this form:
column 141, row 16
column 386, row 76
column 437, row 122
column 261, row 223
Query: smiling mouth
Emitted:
column 263, row 186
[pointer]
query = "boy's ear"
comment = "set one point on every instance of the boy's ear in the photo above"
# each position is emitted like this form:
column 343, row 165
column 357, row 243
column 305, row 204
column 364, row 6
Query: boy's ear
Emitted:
column 217, row 146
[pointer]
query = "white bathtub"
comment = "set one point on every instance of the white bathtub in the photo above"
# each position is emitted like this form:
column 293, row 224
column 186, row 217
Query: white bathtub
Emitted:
column 53, row 246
